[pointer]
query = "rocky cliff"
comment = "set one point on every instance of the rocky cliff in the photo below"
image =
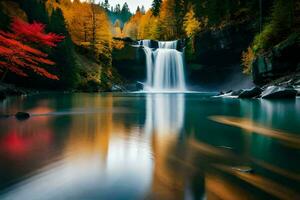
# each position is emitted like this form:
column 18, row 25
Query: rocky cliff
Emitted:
column 215, row 64
column 281, row 61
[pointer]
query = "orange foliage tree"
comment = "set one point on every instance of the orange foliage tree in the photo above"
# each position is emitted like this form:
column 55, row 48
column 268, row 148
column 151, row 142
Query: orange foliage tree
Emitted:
column 16, row 54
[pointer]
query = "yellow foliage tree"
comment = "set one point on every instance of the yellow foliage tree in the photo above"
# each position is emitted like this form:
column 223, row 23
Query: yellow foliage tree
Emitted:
column 116, row 30
column 247, row 60
column 88, row 25
column 145, row 26
column 191, row 24
column 167, row 20
column 131, row 27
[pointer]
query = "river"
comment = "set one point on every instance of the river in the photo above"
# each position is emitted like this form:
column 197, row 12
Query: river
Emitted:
column 149, row 146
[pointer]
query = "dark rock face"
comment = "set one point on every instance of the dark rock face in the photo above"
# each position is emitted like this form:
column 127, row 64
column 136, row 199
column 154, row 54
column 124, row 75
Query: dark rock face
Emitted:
column 130, row 63
column 22, row 116
column 276, row 92
column 283, row 59
column 217, row 57
column 2, row 96
column 251, row 93
column 126, row 39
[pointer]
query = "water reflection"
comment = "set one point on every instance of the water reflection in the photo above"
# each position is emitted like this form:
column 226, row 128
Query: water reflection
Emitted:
column 153, row 146
column 164, row 123
column 164, row 113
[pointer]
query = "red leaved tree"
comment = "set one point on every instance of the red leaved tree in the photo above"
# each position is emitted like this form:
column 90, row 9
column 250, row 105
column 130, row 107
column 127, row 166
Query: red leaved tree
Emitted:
column 16, row 53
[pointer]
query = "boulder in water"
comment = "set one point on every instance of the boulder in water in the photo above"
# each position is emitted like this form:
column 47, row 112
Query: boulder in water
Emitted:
column 251, row 93
column 276, row 92
column 22, row 116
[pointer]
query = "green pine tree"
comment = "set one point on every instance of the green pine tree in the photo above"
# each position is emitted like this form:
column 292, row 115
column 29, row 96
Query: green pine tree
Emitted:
column 63, row 55
column 156, row 7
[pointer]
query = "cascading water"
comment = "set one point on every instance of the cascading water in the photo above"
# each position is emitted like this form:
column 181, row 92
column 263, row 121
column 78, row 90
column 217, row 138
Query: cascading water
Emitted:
column 164, row 67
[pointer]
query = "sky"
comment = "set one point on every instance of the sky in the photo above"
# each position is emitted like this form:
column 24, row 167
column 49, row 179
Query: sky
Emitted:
column 133, row 4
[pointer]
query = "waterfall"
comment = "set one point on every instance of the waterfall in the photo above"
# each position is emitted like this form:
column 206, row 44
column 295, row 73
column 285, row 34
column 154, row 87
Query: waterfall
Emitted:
column 167, row 45
column 146, row 43
column 164, row 67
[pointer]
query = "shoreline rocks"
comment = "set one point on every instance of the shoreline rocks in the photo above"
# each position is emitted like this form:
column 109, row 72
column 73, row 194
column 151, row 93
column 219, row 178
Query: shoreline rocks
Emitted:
column 277, row 92
column 286, row 87
column 271, row 92
column 251, row 93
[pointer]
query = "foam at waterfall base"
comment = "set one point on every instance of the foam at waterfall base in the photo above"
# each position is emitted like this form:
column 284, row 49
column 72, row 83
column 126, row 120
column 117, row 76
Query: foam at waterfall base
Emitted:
column 149, row 91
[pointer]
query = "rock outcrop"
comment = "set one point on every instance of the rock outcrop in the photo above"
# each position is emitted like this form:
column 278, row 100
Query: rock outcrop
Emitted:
column 216, row 61
column 130, row 63
column 277, row 92
column 282, row 60
column 251, row 93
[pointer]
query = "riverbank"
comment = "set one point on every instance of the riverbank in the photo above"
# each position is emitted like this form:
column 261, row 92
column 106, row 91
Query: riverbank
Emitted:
column 10, row 90
column 7, row 90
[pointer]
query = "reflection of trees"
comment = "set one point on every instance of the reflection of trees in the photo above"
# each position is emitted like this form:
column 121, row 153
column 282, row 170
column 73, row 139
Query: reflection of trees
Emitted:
column 25, row 145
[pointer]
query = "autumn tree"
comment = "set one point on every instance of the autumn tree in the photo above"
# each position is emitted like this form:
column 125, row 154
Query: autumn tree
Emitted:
column 191, row 24
column 16, row 53
column 89, row 26
column 144, row 26
column 131, row 27
column 167, row 20
column 117, row 32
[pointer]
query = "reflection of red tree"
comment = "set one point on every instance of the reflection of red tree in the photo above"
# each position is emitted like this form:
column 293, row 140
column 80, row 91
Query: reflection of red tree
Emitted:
column 13, row 144
column 16, row 144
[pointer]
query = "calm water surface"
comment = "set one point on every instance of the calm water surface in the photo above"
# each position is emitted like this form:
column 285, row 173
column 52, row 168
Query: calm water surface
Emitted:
column 149, row 146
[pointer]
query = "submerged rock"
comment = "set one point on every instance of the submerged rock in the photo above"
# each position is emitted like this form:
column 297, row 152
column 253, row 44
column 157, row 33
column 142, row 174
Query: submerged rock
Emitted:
column 22, row 116
column 251, row 93
column 276, row 92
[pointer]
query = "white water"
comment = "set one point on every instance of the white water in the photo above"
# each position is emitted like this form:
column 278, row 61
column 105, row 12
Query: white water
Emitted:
column 145, row 43
column 164, row 67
